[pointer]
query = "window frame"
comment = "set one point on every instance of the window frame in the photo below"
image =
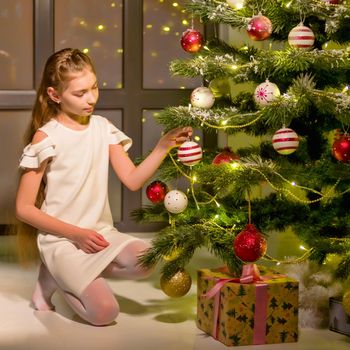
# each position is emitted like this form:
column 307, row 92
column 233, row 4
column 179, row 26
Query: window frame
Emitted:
column 132, row 99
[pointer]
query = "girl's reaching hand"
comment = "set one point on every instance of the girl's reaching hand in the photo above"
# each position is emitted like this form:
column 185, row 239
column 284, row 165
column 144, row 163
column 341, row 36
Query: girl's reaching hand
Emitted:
column 175, row 137
column 90, row 241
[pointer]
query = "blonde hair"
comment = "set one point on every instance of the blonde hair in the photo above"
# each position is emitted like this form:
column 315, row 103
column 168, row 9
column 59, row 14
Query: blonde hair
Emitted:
column 57, row 71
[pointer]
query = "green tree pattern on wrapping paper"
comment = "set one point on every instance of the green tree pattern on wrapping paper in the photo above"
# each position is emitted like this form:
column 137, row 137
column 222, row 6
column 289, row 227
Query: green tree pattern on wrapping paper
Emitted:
column 251, row 323
column 290, row 286
column 242, row 318
column 273, row 303
column 235, row 339
column 231, row 313
column 281, row 320
column 283, row 336
column 268, row 327
column 241, row 291
column 286, row 306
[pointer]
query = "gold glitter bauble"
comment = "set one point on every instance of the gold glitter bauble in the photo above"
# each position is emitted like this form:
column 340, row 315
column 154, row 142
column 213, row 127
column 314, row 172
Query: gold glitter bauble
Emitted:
column 176, row 286
column 346, row 302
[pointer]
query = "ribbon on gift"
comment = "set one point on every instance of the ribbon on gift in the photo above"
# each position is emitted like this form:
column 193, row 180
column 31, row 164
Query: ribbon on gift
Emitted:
column 250, row 274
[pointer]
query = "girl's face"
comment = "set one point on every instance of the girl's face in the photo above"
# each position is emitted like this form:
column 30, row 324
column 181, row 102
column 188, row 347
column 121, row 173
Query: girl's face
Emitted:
column 79, row 94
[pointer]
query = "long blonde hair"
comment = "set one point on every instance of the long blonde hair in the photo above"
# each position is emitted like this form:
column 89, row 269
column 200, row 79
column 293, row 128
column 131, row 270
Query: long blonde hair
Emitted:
column 57, row 71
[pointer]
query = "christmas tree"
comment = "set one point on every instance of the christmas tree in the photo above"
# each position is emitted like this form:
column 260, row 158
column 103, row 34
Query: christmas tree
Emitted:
column 291, row 92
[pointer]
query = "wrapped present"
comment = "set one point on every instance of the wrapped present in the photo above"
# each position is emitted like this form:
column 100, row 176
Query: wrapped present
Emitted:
column 339, row 321
column 261, row 307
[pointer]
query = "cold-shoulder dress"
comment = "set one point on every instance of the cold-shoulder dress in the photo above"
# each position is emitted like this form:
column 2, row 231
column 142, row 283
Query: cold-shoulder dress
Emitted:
column 76, row 191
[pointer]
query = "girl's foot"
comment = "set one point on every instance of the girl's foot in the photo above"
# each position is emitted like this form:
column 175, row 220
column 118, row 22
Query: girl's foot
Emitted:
column 44, row 289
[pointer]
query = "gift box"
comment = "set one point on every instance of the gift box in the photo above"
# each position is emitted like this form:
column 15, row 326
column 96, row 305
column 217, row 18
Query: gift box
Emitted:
column 339, row 321
column 263, row 311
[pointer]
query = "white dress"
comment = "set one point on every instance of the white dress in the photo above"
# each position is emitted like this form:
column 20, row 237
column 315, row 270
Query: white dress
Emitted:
column 77, row 192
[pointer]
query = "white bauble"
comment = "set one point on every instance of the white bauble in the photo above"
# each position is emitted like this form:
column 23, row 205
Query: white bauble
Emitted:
column 265, row 93
column 175, row 201
column 202, row 97
column 235, row 4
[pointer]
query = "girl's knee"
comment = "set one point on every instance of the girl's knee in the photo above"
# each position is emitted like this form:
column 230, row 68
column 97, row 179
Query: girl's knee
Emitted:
column 104, row 312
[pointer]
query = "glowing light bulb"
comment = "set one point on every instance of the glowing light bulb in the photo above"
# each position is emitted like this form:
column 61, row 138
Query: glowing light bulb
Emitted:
column 302, row 247
column 166, row 29
column 234, row 165
column 185, row 22
column 101, row 27
column 175, row 4
column 197, row 138
column 86, row 50
column 217, row 204
column 194, row 178
column 293, row 183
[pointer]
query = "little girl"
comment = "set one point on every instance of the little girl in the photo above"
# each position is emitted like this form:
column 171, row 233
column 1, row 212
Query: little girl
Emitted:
column 66, row 164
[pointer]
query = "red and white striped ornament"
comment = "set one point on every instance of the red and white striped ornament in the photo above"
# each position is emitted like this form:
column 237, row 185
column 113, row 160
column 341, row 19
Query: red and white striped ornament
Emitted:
column 301, row 37
column 190, row 153
column 285, row 141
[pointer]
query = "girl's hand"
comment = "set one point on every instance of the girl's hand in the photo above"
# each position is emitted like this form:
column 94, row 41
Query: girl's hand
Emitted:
column 175, row 137
column 90, row 241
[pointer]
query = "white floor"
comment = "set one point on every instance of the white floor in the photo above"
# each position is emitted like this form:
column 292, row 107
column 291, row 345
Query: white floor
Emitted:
column 148, row 319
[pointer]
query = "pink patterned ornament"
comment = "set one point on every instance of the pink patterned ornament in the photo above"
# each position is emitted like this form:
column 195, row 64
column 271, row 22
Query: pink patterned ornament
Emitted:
column 301, row 37
column 285, row 141
column 265, row 93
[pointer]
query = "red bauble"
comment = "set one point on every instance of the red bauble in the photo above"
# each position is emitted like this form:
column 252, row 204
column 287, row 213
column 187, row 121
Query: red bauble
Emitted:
column 341, row 148
column 156, row 191
column 225, row 156
column 259, row 28
column 333, row 2
column 191, row 40
column 249, row 245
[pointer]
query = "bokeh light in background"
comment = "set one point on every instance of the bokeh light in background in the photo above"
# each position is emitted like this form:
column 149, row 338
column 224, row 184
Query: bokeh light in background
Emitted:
column 164, row 23
column 95, row 27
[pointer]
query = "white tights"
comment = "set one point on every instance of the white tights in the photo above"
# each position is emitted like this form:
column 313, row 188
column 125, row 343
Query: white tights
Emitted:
column 97, row 304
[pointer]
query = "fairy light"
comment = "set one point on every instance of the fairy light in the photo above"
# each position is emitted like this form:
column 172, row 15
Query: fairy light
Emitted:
column 197, row 138
column 234, row 66
column 175, row 4
column 86, row 50
column 234, row 165
column 166, row 29
column 288, row 4
column 194, row 178
column 149, row 26
column 100, row 27
column 113, row 4
column 224, row 122
column 302, row 247
column 216, row 216
column 217, row 203
column 345, row 89
column 185, row 22
column 293, row 183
